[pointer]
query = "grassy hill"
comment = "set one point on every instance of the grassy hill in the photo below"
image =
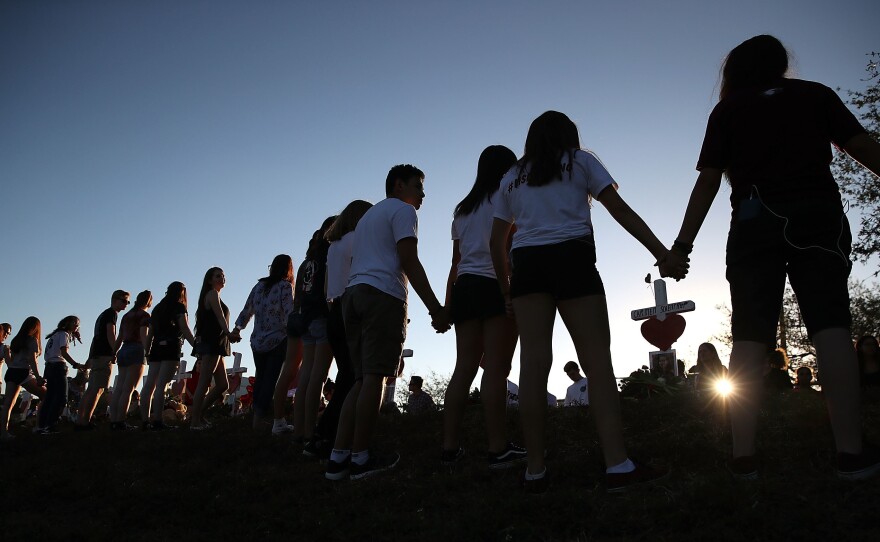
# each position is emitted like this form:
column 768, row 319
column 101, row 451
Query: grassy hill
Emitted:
column 229, row 484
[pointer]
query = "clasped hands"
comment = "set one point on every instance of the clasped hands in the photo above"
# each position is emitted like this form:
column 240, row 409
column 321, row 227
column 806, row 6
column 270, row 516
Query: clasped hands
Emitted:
column 674, row 265
column 440, row 320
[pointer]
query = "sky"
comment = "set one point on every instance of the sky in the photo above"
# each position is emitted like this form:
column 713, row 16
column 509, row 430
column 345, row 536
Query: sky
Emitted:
column 144, row 142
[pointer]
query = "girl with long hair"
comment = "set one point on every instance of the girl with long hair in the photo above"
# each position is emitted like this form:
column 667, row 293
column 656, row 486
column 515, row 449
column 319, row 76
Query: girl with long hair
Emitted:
column 133, row 332
column 310, row 301
column 484, row 335
column 169, row 326
column 57, row 357
column 771, row 135
column 22, row 372
column 547, row 195
column 269, row 303
column 340, row 235
column 212, row 345
column 709, row 367
column 5, row 356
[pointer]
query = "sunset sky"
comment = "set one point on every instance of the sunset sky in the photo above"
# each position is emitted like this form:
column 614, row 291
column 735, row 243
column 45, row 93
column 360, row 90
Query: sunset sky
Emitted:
column 144, row 142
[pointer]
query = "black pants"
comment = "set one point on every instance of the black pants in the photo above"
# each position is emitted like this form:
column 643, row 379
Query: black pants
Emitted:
column 56, row 394
column 344, row 375
column 268, row 368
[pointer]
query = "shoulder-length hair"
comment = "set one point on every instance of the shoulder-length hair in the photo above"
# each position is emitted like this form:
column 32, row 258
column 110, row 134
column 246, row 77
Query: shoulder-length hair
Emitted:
column 494, row 162
column 143, row 299
column 207, row 285
column 550, row 136
column 347, row 220
column 175, row 293
column 29, row 328
column 280, row 270
column 757, row 63
column 318, row 244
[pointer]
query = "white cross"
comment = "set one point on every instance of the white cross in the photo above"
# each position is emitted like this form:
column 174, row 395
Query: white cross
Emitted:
column 236, row 365
column 181, row 372
column 661, row 307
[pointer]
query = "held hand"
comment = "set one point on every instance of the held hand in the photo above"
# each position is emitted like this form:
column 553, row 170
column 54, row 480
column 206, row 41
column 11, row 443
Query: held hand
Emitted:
column 673, row 265
column 440, row 320
column 508, row 307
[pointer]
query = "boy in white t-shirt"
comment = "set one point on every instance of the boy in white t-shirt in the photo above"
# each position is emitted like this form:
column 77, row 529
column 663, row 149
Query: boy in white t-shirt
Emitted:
column 374, row 306
column 576, row 394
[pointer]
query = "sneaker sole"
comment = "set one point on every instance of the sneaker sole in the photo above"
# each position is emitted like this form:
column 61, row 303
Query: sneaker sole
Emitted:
column 336, row 476
column 863, row 474
column 508, row 464
column 642, row 483
column 362, row 475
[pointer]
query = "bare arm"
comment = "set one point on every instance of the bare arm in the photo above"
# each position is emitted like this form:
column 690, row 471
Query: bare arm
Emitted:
column 183, row 326
column 499, row 248
column 144, row 335
column 865, row 151
column 453, row 271
column 408, row 252
column 66, row 355
column 112, row 340
column 213, row 299
column 702, row 196
column 631, row 222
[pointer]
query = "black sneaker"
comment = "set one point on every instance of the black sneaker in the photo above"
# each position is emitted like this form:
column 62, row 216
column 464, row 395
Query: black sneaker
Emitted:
column 338, row 470
column 513, row 455
column 160, row 426
column 319, row 449
column 89, row 427
column 538, row 485
column 146, row 426
column 448, row 458
column 642, row 474
column 859, row 466
column 743, row 468
column 376, row 463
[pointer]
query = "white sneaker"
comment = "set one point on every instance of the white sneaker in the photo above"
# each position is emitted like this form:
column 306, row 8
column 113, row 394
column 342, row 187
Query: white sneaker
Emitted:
column 281, row 429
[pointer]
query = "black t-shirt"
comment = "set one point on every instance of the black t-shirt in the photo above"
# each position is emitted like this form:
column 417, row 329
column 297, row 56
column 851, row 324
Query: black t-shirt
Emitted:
column 308, row 295
column 164, row 320
column 778, row 140
column 100, row 344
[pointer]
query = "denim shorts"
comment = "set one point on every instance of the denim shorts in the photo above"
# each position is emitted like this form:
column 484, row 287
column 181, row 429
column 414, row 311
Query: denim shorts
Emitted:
column 316, row 332
column 131, row 354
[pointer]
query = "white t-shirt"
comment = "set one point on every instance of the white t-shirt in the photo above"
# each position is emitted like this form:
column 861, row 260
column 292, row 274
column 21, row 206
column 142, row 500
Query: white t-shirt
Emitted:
column 58, row 340
column 374, row 258
column 576, row 394
column 555, row 212
column 472, row 233
column 339, row 265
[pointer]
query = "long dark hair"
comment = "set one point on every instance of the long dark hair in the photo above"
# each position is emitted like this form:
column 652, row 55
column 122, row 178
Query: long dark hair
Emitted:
column 207, row 286
column 68, row 325
column 550, row 136
column 142, row 300
column 175, row 293
column 494, row 162
column 318, row 244
column 30, row 328
column 756, row 63
column 281, row 269
column 347, row 220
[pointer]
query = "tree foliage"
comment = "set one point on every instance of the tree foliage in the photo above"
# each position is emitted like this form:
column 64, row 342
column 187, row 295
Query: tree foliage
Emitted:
column 856, row 181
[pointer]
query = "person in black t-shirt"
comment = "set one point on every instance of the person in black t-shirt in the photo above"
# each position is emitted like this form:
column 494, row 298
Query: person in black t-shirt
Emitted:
column 772, row 137
column 102, row 356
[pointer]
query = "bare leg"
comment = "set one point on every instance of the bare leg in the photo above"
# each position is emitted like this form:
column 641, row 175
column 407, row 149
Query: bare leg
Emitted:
column 127, row 383
column 839, row 368
column 148, row 389
column 12, row 392
column 221, row 384
column 345, row 430
column 208, row 366
column 586, row 319
column 320, row 368
column 166, row 373
column 746, row 370
column 535, row 315
column 289, row 370
column 499, row 342
column 469, row 349
column 369, row 400
column 299, row 400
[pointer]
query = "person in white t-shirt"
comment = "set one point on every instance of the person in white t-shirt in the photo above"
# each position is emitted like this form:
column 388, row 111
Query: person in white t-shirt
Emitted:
column 576, row 394
column 57, row 357
column 484, row 335
column 547, row 196
column 374, row 307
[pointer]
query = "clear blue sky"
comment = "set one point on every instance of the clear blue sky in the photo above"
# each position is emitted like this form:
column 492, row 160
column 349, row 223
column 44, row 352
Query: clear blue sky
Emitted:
column 143, row 142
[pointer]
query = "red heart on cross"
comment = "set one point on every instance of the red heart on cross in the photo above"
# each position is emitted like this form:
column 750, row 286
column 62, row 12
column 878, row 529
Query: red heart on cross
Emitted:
column 663, row 333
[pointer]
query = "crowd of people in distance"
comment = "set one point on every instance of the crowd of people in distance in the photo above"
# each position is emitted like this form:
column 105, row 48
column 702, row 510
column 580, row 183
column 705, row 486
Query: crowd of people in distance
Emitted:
column 523, row 251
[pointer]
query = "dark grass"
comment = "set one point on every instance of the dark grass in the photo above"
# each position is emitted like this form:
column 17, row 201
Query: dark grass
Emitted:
column 229, row 484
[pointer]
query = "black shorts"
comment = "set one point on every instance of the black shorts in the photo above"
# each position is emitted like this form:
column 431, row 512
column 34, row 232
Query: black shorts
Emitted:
column 475, row 297
column 170, row 351
column 16, row 376
column 810, row 243
column 564, row 270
